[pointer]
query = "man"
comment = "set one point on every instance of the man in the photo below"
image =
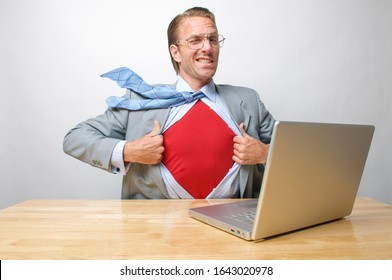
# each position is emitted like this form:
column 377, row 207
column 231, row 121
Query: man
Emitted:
column 212, row 147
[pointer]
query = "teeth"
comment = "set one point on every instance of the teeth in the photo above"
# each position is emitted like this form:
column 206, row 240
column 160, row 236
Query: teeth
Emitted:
column 204, row 60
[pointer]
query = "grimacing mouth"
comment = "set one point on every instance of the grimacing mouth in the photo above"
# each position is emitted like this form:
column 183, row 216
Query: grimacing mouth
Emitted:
column 204, row 60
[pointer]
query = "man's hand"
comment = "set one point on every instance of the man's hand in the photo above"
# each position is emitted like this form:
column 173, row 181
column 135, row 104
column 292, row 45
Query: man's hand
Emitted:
column 147, row 149
column 248, row 150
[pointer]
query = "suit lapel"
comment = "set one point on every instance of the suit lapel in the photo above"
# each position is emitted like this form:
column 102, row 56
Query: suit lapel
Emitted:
column 142, row 124
column 150, row 116
column 235, row 103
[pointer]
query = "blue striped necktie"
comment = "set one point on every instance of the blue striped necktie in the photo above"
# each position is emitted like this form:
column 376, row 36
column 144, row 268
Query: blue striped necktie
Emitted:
column 154, row 97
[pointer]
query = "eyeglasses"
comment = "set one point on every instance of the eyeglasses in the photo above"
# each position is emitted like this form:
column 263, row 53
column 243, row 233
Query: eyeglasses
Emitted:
column 196, row 42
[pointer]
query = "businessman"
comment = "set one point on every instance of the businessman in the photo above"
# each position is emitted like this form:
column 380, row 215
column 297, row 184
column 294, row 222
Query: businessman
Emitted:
column 193, row 139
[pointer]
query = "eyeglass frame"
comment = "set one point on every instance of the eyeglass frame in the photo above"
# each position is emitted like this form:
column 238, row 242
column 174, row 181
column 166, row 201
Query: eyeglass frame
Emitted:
column 205, row 36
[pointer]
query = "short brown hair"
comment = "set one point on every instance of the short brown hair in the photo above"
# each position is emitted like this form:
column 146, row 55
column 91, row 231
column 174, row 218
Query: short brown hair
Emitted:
column 172, row 30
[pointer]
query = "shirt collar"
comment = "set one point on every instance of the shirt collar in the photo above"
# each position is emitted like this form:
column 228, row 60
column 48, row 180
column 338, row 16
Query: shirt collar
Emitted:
column 209, row 89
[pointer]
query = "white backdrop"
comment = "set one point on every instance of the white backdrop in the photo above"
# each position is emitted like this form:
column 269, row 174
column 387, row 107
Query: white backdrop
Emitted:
column 310, row 60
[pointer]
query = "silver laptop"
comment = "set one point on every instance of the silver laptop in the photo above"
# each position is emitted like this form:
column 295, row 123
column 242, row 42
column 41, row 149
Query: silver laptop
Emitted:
column 312, row 176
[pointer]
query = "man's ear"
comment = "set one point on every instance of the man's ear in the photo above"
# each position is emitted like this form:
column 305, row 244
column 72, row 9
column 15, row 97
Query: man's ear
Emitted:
column 175, row 53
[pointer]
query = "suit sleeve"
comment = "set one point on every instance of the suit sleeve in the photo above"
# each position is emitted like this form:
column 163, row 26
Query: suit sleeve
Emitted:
column 93, row 141
column 266, row 125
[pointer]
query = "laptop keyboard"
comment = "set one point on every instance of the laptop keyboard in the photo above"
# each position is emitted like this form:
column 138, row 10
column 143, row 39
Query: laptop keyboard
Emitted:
column 246, row 217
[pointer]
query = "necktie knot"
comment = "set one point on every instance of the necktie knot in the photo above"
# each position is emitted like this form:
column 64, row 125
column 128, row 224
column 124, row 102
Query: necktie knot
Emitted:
column 190, row 97
column 154, row 97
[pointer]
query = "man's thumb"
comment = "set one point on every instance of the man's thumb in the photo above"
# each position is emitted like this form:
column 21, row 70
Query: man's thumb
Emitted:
column 155, row 130
column 243, row 132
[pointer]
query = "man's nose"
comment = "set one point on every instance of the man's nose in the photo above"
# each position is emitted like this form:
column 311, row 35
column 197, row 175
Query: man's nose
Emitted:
column 206, row 44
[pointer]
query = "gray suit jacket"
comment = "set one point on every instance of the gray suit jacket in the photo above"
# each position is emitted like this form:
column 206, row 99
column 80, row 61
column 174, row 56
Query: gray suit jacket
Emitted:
column 93, row 141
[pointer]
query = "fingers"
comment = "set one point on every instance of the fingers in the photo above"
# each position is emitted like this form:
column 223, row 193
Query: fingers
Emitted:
column 147, row 149
column 248, row 150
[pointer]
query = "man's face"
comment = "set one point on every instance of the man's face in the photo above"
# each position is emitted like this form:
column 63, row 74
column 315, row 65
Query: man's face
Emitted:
column 196, row 67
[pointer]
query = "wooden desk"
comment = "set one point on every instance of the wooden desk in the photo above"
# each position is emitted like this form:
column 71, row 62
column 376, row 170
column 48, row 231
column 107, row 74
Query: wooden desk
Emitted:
column 161, row 229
